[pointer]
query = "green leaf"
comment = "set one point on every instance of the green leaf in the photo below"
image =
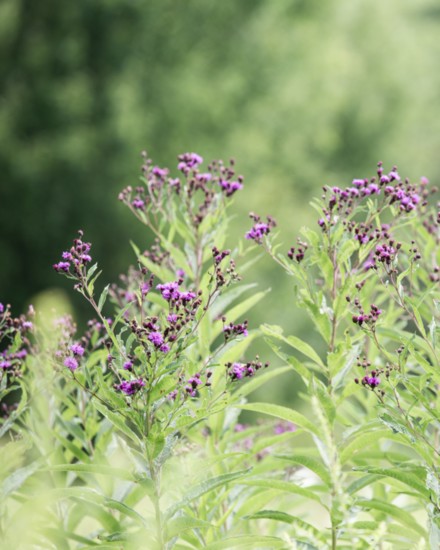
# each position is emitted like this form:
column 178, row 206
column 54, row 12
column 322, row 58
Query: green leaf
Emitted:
column 103, row 298
column 227, row 297
column 326, row 402
column 203, row 488
column 293, row 341
column 408, row 478
column 282, row 412
column 251, row 542
column 311, row 463
column 280, row 485
column 16, row 479
column 259, row 380
column 101, row 469
column 238, row 311
column 360, row 442
column 396, row 512
column 118, row 421
column 184, row 523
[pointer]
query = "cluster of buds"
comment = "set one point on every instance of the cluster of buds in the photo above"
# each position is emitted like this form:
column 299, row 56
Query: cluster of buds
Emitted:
column 192, row 385
column 75, row 259
column 362, row 318
column 223, row 276
column 232, row 331
column 130, row 387
column 136, row 284
column 260, row 229
column 237, row 371
column 372, row 377
column 12, row 331
column 298, row 252
column 201, row 190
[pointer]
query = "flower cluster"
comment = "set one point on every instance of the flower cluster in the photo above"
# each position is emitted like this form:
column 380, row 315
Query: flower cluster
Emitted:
column 298, row 252
column 237, row 371
column 260, row 229
column 75, row 259
column 15, row 340
column 389, row 186
column 232, row 330
column 130, row 387
column 223, row 276
column 200, row 191
column 366, row 318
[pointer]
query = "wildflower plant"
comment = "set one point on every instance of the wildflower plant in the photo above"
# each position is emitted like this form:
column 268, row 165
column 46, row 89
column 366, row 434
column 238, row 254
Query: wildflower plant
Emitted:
column 368, row 277
column 129, row 434
column 171, row 355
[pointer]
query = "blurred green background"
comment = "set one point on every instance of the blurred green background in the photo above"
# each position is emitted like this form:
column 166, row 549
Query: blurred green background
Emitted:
column 301, row 93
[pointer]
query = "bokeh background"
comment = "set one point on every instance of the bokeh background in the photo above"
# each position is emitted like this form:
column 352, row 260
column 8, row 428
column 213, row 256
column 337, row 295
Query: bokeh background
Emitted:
column 301, row 93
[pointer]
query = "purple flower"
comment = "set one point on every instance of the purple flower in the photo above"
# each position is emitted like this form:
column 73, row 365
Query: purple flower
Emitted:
column 62, row 266
column 358, row 182
column 186, row 296
column 189, row 161
column 156, row 338
column 77, row 349
column 160, row 172
column 283, row 427
column 230, row 187
column 5, row 364
column 170, row 291
column 128, row 365
column 258, row 231
column 2, row 308
column 238, row 371
column 164, row 348
column 138, row 203
column 130, row 387
column 371, row 381
column 71, row 363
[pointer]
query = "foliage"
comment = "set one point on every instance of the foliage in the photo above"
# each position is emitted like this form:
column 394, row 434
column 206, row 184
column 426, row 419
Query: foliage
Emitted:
column 130, row 435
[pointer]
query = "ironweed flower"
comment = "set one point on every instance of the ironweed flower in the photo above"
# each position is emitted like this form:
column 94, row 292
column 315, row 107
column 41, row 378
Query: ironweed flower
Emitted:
column 260, row 229
column 130, row 387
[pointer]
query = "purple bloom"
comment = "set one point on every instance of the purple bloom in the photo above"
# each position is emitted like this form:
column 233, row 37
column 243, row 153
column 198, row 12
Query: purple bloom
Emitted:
column 2, row 308
column 258, row 231
column 67, row 256
column 230, row 187
column 62, row 266
column 238, row 371
column 164, row 348
column 160, row 172
column 138, row 203
column 358, row 182
column 77, row 349
column 71, row 363
column 5, row 364
column 283, row 427
column 372, row 381
column 186, row 296
column 128, row 365
column 156, row 338
column 189, row 161
column 130, row 387
column 169, row 291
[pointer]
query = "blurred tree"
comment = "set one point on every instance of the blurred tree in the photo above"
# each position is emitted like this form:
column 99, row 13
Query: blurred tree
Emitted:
column 301, row 93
